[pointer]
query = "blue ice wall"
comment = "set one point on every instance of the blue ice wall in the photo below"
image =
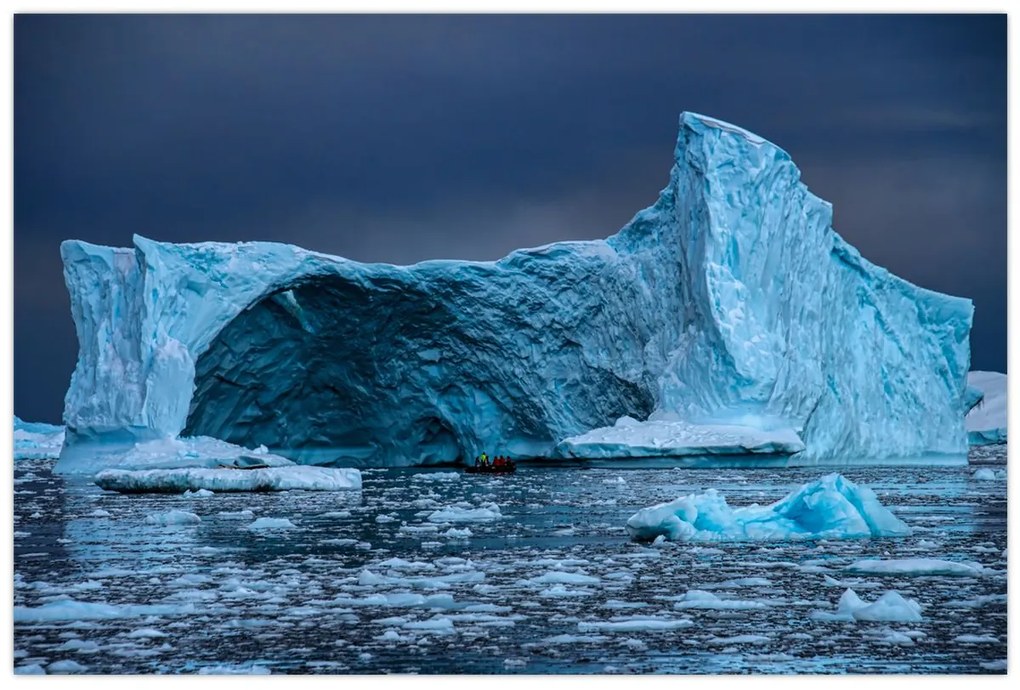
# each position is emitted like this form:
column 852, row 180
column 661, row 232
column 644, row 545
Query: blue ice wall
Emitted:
column 730, row 300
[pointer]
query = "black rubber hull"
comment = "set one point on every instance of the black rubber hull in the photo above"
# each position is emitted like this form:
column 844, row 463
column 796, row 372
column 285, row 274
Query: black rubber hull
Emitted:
column 491, row 470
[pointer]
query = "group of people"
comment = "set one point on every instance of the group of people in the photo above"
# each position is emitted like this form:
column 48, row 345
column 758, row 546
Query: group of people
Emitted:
column 498, row 462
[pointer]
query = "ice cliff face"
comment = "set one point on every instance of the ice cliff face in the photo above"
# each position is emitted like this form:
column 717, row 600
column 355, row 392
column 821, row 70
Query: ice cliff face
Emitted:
column 730, row 301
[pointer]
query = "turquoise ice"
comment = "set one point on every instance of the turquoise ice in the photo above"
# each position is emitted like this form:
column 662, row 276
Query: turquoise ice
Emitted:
column 729, row 314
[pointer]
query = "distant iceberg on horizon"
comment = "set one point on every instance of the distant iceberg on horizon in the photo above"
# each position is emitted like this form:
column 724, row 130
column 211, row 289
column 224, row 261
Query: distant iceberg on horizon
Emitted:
column 987, row 422
column 728, row 317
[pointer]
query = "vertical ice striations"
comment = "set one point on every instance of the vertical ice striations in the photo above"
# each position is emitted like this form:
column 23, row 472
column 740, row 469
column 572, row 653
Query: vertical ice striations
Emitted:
column 730, row 303
column 786, row 324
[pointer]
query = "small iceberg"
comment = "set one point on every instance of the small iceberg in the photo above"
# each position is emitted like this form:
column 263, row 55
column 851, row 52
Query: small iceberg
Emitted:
column 890, row 607
column 37, row 441
column 180, row 480
column 832, row 507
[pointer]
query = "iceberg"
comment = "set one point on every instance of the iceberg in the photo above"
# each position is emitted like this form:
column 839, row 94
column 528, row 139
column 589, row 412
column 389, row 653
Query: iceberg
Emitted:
column 832, row 507
column 986, row 422
column 37, row 441
column 727, row 317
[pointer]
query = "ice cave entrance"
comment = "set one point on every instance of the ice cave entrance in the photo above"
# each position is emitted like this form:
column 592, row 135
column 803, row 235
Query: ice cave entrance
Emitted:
column 299, row 371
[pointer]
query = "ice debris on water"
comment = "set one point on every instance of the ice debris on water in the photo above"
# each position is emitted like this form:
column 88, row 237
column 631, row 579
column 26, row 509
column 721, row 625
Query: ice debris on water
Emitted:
column 916, row 566
column 173, row 517
column 488, row 511
column 267, row 523
column 891, row 606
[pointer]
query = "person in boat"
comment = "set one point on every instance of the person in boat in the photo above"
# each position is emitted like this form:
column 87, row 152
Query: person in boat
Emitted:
column 485, row 459
column 499, row 462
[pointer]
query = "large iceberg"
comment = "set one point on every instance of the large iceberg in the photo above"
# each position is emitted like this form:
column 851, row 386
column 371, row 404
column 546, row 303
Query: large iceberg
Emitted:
column 986, row 422
column 36, row 440
column 831, row 508
column 729, row 310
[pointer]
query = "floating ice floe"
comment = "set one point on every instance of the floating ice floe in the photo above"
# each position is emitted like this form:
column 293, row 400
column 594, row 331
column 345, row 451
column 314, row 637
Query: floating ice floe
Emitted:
column 890, row 607
column 196, row 479
column 635, row 624
column 700, row 599
column 489, row 511
column 68, row 609
column 437, row 477
column 266, row 523
column 234, row 670
column 917, row 566
column 989, row 474
column 37, row 441
column 173, row 517
column 832, row 507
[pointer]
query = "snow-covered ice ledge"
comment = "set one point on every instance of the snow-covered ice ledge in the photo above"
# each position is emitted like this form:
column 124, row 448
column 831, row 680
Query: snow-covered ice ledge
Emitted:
column 290, row 478
column 730, row 301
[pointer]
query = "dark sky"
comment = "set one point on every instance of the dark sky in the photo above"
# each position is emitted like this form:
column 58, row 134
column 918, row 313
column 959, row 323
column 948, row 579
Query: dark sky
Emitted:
column 403, row 138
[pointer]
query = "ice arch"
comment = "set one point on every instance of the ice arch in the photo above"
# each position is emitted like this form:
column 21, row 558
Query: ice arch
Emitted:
column 730, row 300
column 435, row 376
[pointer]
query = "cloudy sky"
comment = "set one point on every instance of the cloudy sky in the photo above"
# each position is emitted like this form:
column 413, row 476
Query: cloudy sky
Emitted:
column 401, row 138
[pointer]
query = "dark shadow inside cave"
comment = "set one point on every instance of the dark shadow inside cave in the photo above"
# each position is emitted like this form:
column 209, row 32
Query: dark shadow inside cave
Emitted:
column 382, row 372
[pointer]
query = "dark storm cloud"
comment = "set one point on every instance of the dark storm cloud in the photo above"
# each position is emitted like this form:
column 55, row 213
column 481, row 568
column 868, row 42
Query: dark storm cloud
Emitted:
column 403, row 138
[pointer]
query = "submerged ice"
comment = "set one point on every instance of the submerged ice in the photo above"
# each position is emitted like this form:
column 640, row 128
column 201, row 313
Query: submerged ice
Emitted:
column 727, row 317
column 832, row 507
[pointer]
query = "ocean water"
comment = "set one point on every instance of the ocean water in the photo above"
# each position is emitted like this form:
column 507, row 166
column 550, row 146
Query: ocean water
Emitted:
column 366, row 582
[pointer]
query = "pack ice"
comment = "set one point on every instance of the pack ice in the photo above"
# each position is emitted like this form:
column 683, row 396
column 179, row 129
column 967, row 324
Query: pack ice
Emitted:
column 832, row 507
column 36, row 440
column 728, row 317
column 986, row 421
